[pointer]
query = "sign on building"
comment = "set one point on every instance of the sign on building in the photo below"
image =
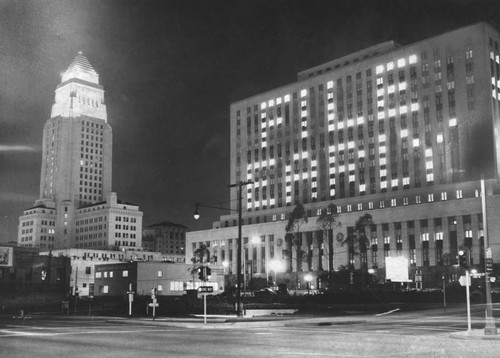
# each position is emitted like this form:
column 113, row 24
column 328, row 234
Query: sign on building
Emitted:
column 6, row 256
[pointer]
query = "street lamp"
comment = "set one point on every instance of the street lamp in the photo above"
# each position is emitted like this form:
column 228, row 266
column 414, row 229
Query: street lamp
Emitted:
column 308, row 279
column 276, row 266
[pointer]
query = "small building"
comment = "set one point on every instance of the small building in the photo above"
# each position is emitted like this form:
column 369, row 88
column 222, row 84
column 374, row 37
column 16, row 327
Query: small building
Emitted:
column 27, row 275
column 83, row 262
column 114, row 279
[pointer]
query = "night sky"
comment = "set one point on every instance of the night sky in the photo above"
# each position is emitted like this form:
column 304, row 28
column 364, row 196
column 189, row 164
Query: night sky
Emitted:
column 170, row 70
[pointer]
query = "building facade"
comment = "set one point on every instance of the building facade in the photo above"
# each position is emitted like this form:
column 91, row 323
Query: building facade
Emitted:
column 77, row 207
column 167, row 238
column 403, row 133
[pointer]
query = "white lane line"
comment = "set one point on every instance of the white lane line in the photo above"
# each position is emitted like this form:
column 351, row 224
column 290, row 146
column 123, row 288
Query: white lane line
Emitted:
column 386, row 313
column 10, row 333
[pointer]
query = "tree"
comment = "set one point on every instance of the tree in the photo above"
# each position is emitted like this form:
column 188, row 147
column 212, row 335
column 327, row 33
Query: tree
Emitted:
column 294, row 237
column 326, row 222
column 358, row 242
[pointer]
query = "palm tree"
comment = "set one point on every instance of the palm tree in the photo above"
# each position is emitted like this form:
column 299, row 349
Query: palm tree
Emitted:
column 293, row 236
column 327, row 221
column 358, row 242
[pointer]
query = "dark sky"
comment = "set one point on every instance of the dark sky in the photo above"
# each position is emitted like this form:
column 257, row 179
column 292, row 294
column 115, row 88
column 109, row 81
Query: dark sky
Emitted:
column 170, row 70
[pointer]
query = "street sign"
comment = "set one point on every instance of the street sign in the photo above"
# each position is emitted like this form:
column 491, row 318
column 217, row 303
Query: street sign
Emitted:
column 205, row 289
column 463, row 281
column 154, row 305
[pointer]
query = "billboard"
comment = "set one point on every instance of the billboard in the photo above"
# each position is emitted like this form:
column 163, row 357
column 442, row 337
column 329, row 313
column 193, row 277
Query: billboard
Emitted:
column 6, row 256
column 396, row 269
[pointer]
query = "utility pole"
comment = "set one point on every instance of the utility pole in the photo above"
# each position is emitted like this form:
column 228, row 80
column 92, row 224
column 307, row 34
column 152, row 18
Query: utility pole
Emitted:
column 240, row 186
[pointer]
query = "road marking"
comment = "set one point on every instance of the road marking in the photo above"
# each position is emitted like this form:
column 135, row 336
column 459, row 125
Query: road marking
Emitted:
column 386, row 313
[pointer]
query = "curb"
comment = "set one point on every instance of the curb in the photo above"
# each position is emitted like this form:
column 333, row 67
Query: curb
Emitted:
column 475, row 335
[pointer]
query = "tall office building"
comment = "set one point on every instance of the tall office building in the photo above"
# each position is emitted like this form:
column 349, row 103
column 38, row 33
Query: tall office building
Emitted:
column 403, row 133
column 76, row 206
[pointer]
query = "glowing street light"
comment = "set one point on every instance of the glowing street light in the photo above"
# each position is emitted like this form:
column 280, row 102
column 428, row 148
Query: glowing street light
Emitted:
column 308, row 279
column 276, row 266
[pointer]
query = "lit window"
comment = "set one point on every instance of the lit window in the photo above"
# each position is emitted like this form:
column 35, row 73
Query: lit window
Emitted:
column 390, row 66
column 350, row 122
column 430, row 177
column 394, row 183
column 459, row 194
column 270, row 103
column 453, row 122
column 424, row 236
column 418, row 200
column 414, row 107
column 392, row 112
column 416, row 142
column 406, row 181
column 361, row 120
column 278, row 100
column 391, row 89
column 430, row 198
column 263, row 105
column 383, row 161
column 370, row 205
column 361, row 153
column 404, row 133
column 303, row 93
column 403, row 110
column 160, row 273
column 349, row 208
column 405, row 201
column 383, row 185
column 412, row 59
column 401, row 62
column 287, row 98
column 379, row 69
column 362, row 188
column 402, row 86
column 428, row 152
column 393, row 202
column 444, row 196
column 329, row 84
column 380, row 92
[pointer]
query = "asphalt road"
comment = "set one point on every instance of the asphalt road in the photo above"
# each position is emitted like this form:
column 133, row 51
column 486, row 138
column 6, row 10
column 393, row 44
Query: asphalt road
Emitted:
column 419, row 334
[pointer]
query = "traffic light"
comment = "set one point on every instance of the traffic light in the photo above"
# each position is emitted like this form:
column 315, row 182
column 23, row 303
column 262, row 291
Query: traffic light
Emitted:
column 208, row 273
column 201, row 273
column 462, row 259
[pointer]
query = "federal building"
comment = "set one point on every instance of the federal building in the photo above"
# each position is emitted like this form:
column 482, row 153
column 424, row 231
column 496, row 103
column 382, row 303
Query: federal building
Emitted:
column 404, row 133
column 76, row 207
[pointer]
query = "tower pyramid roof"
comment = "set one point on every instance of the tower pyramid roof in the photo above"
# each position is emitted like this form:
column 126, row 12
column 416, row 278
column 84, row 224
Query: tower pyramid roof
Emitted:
column 81, row 62
column 81, row 68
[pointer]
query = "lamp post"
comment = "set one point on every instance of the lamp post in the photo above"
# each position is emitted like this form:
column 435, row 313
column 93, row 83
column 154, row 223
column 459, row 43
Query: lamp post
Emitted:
column 490, row 328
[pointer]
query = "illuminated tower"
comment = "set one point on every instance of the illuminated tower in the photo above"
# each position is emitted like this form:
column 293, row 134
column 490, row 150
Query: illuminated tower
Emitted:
column 76, row 171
